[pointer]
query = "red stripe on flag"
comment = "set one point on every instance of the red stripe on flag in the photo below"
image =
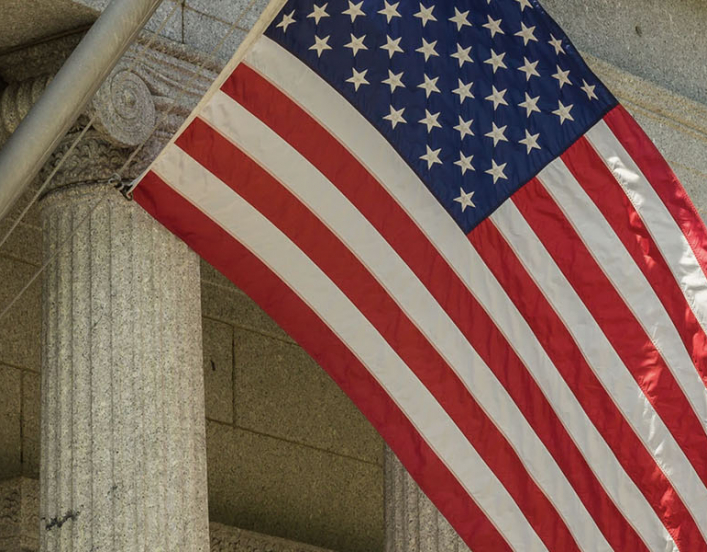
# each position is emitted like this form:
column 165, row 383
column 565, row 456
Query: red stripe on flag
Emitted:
column 295, row 126
column 616, row 320
column 607, row 194
column 293, row 315
column 596, row 402
column 662, row 179
column 284, row 211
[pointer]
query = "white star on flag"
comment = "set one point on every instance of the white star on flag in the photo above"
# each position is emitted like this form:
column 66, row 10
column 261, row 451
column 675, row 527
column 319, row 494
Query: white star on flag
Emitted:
column 390, row 11
column 354, row 10
column 287, row 20
column 462, row 55
column 318, row 12
column 589, row 90
column 496, row 61
column 562, row 77
column 464, row 128
column 320, row 44
column 356, row 44
column 395, row 116
column 393, row 80
column 432, row 156
column 498, row 98
column 530, row 69
column 526, row 33
column 463, row 91
column 498, row 134
column 465, row 199
column 460, row 19
column 464, row 163
column 392, row 46
column 530, row 141
column 430, row 121
column 563, row 112
column 427, row 49
column 557, row 44
column 429, row 86
column 530, row 104
column 497, row 171
column 425, row 14
column 357, row 79
column 494, row 26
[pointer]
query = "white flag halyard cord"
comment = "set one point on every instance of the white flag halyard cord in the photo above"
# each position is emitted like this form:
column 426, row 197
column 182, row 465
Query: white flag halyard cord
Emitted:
column 513, row 297
column 117, row 179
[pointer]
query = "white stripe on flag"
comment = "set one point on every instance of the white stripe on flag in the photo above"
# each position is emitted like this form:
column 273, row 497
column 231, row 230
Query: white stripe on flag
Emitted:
column 599, row 353
column 329, row 204
column 658, row 221
column 344, row 122
column 627, row 279
column 262, row 238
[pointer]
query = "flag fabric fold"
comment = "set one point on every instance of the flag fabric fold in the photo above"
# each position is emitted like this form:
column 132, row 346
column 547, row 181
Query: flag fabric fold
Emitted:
column 450, row 213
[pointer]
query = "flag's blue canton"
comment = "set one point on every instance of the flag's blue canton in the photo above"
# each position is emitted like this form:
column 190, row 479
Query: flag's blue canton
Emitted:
column 476, row 95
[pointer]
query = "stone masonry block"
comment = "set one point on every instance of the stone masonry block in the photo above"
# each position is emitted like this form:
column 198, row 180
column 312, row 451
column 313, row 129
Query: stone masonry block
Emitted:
column 205, row 33
column 230, row 10
column 290, row 491
column 24, row 243
column 238, row 309
column 10, row 428
column 282, row 392
column 218, row 370
column 20, row 329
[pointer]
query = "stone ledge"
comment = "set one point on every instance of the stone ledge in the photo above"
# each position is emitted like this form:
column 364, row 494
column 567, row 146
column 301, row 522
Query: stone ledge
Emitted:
column 231, row 539
column 19, row 524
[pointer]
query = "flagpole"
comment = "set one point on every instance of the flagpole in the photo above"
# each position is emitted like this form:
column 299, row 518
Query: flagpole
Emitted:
column 66, row 97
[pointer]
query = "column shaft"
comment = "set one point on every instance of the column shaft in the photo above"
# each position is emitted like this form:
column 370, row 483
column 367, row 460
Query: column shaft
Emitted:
column 412, row 522
column 123, row 464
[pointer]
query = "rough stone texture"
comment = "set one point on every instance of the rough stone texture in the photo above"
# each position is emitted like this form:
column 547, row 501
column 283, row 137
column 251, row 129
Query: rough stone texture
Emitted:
column 20, row 328
column 30, row 423
column 19, row 523
column 211, row 34
column 123, row 450
column 169, row 11
column 218, row 370
column 206, row 22
column 663, row 42
column 23, row 22
column 280, row 391
column 10, row 421
column 236, row 308
column 19, row 515
column 412, row 523
column 230, row 539
column 292, row 491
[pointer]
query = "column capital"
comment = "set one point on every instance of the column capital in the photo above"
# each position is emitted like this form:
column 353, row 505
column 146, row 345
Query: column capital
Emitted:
column 156, row 84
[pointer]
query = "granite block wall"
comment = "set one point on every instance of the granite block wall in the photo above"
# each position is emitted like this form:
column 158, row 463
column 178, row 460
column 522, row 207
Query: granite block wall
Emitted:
column 20, row 354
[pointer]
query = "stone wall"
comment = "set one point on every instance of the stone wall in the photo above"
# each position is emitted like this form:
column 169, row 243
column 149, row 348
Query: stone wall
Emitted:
column 20, row 353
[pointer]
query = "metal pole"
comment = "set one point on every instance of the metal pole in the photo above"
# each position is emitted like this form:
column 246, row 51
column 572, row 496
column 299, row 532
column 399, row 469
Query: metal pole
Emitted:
column 66, row 97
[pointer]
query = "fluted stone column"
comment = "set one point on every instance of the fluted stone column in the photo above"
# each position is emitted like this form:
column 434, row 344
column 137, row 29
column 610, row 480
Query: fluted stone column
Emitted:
column 412, row 522
column 123, row 465
column 123, row 452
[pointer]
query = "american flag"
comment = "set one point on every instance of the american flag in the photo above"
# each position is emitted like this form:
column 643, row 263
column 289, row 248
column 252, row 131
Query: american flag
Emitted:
column 445, row 207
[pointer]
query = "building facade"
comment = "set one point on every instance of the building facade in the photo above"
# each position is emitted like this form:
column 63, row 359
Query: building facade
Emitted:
column 126, row 333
